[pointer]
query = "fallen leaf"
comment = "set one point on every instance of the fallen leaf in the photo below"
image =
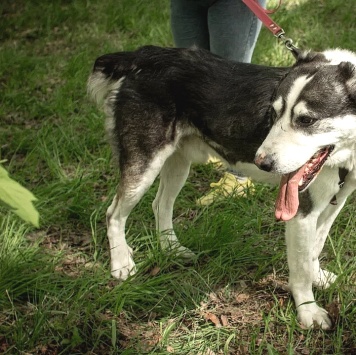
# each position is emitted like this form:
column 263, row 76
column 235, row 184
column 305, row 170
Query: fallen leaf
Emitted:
column 213, row 297
column 207, row 352
column 213, row 318
column 155, row 271
column 244, row 350
column 334, row 311
column 224, row 320
column 170, row 349
column 242, row 297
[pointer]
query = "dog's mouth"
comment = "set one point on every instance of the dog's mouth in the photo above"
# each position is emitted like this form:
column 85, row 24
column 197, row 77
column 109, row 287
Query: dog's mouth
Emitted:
column 298, row 181
column 313, row 166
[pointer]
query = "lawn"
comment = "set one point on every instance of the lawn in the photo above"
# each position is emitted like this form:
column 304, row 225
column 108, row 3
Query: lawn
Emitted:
column 56, row 292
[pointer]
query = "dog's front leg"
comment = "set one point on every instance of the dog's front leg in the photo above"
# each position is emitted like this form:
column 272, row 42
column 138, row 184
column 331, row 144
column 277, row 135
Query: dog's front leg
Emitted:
column 300, row 238
column 324, row 278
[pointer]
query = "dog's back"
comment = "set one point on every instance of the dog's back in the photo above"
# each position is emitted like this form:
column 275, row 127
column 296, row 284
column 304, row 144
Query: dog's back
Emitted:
column 186, row 90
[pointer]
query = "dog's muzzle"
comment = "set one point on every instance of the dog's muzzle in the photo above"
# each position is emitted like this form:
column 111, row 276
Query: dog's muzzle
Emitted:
column 264, row 162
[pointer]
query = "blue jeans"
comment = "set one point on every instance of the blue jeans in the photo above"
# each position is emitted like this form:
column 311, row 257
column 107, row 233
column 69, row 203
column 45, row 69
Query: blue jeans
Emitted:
column 225, row 27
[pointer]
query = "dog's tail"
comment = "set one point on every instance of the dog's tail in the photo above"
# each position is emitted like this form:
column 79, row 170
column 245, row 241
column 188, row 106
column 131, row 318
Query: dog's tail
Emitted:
column 107, row 75
column 110, row 70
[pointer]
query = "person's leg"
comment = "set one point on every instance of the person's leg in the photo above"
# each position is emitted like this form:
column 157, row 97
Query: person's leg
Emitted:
column 189, row 23
column 233, row 29
column 229, row 29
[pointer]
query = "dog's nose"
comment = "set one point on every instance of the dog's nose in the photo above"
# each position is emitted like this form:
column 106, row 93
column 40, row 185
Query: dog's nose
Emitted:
column 264, row 162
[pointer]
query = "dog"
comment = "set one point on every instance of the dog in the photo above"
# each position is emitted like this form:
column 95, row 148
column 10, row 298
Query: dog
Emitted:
column 169, row 107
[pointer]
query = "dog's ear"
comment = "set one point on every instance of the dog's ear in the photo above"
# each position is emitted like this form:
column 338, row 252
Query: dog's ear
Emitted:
column 348, row 72
column 304, row 57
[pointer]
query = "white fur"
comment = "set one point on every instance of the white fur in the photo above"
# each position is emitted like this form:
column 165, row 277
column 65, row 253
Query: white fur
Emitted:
column 293, row 96
column 290, row 148
column 300, row 109
column 173, row 176
column 99, row 87
column 122, row 264
column 336, row 56
column 278, row 105
column 110, row 96
column 301, row 271
column 305, row 240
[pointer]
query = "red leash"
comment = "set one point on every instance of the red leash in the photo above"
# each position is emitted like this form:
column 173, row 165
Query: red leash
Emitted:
column 262, row 14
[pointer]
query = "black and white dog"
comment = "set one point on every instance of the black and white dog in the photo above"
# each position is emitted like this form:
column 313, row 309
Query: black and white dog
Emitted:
column 167, row 108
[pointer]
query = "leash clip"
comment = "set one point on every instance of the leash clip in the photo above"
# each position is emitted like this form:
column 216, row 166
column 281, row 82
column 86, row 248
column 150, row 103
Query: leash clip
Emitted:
column 277, row 31
column 288, row 42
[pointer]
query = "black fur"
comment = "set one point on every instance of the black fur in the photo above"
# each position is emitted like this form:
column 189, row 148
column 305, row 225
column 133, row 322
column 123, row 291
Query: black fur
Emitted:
column 337, row 98
column 162, row 103
column 192, row 87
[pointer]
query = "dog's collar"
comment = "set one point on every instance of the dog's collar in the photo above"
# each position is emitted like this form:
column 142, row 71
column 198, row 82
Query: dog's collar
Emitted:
column 342, row 176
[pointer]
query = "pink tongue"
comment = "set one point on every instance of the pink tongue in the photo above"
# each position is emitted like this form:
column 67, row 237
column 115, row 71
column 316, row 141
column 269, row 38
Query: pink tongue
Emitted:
column 287, row 200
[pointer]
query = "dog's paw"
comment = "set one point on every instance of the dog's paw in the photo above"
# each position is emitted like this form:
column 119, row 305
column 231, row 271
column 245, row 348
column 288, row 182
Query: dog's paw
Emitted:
column 184, row 253
column 324, row 279
column 179, row 251
column 171, row 245
column 313, row 316
column 122, row 264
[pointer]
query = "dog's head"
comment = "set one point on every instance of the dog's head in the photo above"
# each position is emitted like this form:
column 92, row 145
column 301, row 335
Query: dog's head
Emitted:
column 314, row 118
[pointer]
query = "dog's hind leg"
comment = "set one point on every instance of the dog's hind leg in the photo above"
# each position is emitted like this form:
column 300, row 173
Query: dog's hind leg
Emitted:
column 172, row 178
column 135, row 181
column 122, row 264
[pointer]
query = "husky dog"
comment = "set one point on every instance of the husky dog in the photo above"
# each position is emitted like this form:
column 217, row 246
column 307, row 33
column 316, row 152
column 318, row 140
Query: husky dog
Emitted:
column 169, row 107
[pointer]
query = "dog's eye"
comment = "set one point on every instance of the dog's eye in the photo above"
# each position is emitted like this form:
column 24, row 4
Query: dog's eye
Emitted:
column 305, row 120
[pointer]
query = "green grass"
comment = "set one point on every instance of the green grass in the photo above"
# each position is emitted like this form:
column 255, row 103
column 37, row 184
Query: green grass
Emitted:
column 56, row 293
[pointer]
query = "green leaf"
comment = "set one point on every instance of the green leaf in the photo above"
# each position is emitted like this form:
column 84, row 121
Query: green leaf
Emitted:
column 17, row 198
